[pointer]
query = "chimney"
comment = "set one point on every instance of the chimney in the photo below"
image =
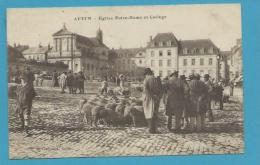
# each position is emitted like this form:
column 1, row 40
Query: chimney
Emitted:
column 40, row 45
column 151, row 38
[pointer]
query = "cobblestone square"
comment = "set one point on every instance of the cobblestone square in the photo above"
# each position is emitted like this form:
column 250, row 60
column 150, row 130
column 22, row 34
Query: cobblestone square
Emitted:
column 57, row 131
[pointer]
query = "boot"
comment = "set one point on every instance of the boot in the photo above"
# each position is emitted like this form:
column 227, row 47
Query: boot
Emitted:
column 169, row 123
column 150, row 126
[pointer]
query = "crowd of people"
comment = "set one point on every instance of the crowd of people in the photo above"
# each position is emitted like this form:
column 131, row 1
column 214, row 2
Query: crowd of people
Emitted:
column 70, row 80
column 188, row 99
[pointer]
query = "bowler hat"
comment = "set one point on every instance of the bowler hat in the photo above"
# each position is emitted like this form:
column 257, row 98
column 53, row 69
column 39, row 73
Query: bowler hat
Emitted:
column 183, row 77
column 148, row 71
column 206, row 76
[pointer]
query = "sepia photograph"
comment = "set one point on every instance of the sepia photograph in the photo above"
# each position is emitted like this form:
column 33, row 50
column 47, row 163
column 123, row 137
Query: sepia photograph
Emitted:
column 125, row 81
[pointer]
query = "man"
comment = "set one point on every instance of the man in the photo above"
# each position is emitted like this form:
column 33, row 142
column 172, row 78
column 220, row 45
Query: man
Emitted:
column 104, row 86
column 81, row 79
column 70, row 80
column 55, row 79
column 152, row 96
column 186, row 106
column 25, row 96
column 198, row 101
column 175, row 101
column 210, row 88
column 63, row 79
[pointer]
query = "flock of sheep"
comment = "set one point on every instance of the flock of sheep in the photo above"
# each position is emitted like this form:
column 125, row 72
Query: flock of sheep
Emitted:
column 112, row 110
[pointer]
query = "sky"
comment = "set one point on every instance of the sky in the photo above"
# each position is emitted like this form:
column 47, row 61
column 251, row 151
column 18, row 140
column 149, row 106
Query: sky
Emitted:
column 221, row 23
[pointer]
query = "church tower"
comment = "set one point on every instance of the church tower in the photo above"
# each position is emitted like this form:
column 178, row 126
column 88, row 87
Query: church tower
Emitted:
column 99, row 35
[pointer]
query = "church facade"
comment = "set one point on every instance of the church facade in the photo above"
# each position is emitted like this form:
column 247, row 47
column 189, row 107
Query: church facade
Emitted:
column 80, row 53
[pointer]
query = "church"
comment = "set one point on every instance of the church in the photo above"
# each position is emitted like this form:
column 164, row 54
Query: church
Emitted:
column 80, row 53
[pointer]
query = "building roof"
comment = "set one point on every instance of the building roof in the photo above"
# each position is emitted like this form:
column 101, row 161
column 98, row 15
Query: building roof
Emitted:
column 163, row 37
column 197, row 44
column 130, row 51
column 63, row 31
column 90, row 42
column 36, row 50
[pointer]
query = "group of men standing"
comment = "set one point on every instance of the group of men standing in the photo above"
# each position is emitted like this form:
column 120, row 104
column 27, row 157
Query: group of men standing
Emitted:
column 74, row 81
column 188, row 101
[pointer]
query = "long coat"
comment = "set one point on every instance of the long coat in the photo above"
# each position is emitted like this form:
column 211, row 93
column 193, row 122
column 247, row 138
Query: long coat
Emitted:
column 175, row 96
column 198, row 97
column 63, row 79
column 152, row 95
column 55, row 82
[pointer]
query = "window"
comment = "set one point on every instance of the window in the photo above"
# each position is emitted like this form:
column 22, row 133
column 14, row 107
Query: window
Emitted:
column 184, row 72
column 160, row 53
column 140, row 54
column 188, row 51
column 164, row 43
column 201, row 72
column 169, row 43
column 209, row 72
column 184, row 62
column 169, row 52
column 201, row 61
column 152, row 53
column 152, row 62
column 140, row 61
column 193, row 61
column 210, row 61
column 155, row 43
column 197, row 50
column 206, row 50
column 160, row 73
column 169, row 62
column 160, row 63
column 160, row 44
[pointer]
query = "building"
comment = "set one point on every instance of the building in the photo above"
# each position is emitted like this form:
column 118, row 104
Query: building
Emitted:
column 235, row 60
column 162, row 54
column 130, row 62
column 80, row 53
column 38, row 54
column 165, row 54
column 199, row 56
column 225, row 57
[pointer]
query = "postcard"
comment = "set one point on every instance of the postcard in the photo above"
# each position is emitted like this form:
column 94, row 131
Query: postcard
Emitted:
column 125, row 81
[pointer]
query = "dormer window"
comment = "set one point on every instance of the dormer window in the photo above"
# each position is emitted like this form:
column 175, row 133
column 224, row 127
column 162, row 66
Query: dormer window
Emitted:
column 169, row 43
column 197, row 50
column 206, row 51
column 164, row 43
column 155, row 43
column 188, row 51
column 160, row 43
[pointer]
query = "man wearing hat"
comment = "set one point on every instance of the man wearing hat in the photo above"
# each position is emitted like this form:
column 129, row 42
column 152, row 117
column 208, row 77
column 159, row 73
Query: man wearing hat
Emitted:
column 25, row 96
column 152, row 96
column 186, row 107
column 175, row 101
column 210, row 88
column 198, row 101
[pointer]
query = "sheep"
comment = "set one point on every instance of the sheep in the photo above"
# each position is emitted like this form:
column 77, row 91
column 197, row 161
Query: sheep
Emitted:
column 136, row 113
column 111, row 106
